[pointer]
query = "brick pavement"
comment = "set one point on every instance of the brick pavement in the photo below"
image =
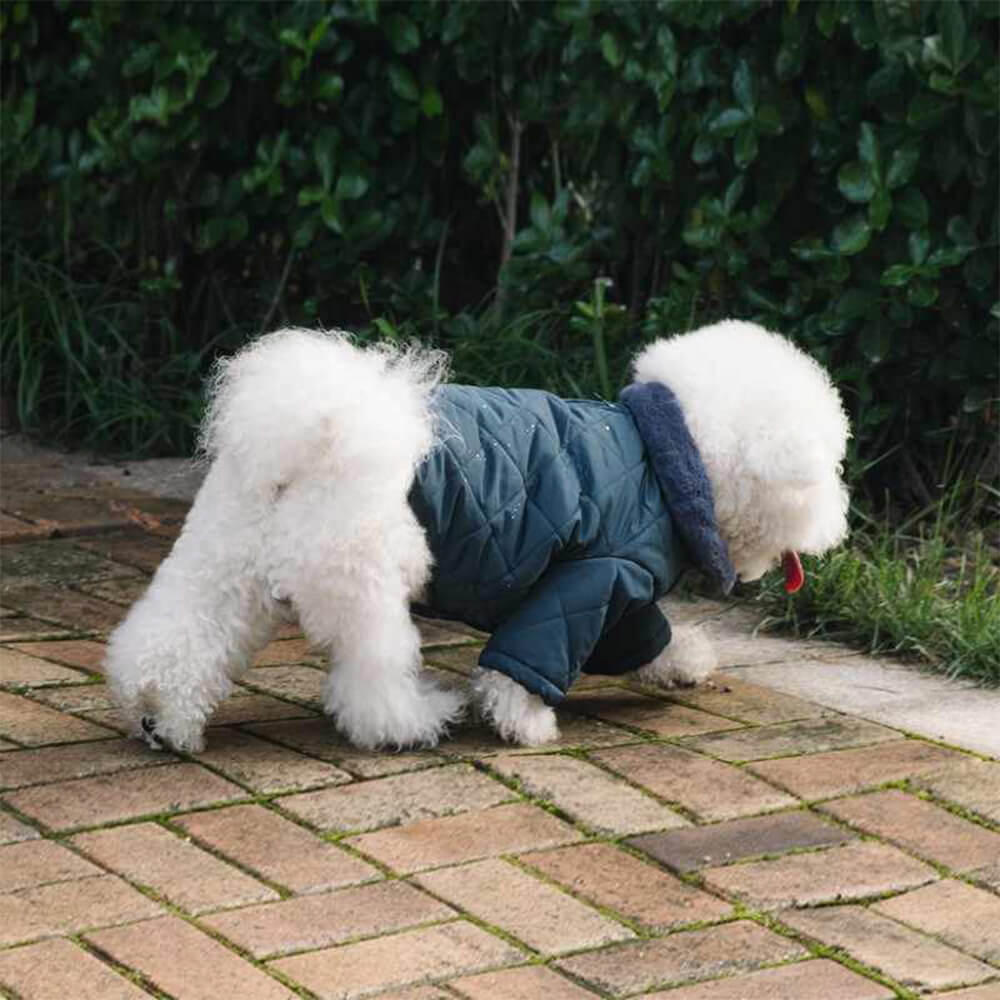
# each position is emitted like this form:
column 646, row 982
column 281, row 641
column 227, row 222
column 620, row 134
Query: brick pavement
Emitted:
column 729, row 843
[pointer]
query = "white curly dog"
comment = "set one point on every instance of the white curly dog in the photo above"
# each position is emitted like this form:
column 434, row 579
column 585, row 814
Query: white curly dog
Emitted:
column 314, row 446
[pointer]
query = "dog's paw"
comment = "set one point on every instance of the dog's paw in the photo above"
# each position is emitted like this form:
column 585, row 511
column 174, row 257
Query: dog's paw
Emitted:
column 516, row 714
column 687, row 660
column 161, row 736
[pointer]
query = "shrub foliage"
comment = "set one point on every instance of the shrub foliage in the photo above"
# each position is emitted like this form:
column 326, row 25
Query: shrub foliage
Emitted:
column 176, row 175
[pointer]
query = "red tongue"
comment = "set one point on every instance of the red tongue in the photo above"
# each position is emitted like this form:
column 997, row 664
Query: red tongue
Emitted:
column 794, row 577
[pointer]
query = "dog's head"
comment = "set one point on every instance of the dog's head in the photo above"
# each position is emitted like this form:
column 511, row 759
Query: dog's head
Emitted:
column 772, row 434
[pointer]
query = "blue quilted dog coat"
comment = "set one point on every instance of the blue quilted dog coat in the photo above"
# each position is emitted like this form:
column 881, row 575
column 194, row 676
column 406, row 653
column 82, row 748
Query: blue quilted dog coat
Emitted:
column 556, row 524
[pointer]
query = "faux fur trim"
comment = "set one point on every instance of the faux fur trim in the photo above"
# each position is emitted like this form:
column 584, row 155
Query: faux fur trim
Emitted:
column 681, row 475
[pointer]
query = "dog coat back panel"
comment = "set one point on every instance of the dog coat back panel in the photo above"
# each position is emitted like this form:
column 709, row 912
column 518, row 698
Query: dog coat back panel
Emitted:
column 522, row 480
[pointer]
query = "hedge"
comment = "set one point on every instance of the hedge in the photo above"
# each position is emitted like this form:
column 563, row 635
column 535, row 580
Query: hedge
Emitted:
column 178, row 175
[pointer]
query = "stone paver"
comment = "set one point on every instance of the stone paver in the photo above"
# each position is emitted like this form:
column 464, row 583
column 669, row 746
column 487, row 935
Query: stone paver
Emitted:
column 28, row 723
column 266, row 767
column 587, row 793
column 176, row 869
column 655, row 715
column 69, row 907
column 83, row 653
column 19, row 670
column 920, row 827
column 276, row 848
column 78, row 760
column 810, row 736
column 356, row 970
column 962, row 915
column 722, row 843
column 686, row 956
column 305, row 923
column 969, row 782
column 666, row 851
column 453, row 839
column 525, row 983
column 398, row 799
column 57, row 969
column 818, row 980
column 839, row 772
column 103, row 799
column 615, row 880
column 543, row 917
column 708, row 788
column 186, row 962
column 837, row 873
column 908, row 957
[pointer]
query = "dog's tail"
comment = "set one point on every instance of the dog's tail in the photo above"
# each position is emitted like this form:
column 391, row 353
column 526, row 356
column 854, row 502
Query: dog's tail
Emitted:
column 300, row 403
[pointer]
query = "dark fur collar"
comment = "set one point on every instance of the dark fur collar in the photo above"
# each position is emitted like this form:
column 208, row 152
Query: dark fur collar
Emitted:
column 681, row 475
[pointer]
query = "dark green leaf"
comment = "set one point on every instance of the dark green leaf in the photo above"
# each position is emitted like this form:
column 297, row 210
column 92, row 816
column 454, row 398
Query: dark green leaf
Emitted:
column 879, row 209
column 430, row 102
column 330, row 87
column 744, row 88
column 912, row 209
column 897, row 275
column 745, row 148
column 952, row 23
column 902, row 163
column 403, row 34
column 852, row 235
column 919, row 244
column 868, row 149
column 402, row 82
column 856, row 182
column 350, row 187
column 728, row 122
column 611, row 50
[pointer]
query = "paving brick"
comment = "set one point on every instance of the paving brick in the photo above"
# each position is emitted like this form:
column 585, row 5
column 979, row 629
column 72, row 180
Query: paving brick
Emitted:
column 186, row 963
column 910, row 958
column 255, row 708
column 722, row 843
column 683, row 957
column 281, row 651
column 123, row 592
column 460, row 659
column 22, row 627
column 305, row 923
column 970, row 782
column 318, row 738
column 529, row 982
column 69, row 907
column 738, row 699
column 438, row 633
column 838, row 873
column 13, row 530
column 821, row 775
column 64, row 607
column 403, row 798
column 13, row 831
column 454, row 839
column 543, row 917
column 655, row 715
column 813, row 980
column 419, row 993
column 55, row 970
column 40, row 862
column 988, row 991
column 809, row 736
column 31, row 724
column 54, row 562
column 480, row 742
column 298, row 682
column 357, row 970
column 78, row 760
column 17, row 669
column 174, row 868
column 108, row 797
column 588, row 794
column 920, row 827
column 960, row 914
column 83, row 653
column 140, row 549
column 266, row 767
column 710, row 789
column 277, row 848
column 609, row 877
column 89, row 700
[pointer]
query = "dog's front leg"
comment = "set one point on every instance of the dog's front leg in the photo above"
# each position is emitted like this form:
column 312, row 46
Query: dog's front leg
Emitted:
column 688, row 659
column 172, row 660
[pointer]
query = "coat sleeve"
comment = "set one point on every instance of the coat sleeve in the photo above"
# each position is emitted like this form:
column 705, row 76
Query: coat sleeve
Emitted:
column 637, row 639
column 554, row 630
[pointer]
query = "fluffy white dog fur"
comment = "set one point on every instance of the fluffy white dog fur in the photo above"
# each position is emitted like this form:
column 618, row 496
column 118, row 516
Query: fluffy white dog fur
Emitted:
column 313, row 444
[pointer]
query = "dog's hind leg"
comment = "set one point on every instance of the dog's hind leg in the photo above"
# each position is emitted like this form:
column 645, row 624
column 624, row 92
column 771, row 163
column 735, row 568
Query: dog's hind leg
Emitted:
column 206, row 612
column 352, row 592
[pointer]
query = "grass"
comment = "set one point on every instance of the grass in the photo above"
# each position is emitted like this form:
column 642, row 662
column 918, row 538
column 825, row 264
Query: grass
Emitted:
column 928, row 590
